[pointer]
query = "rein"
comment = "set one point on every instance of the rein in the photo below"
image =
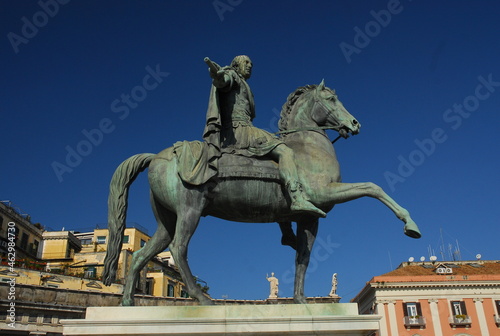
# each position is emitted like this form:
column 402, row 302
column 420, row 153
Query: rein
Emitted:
column 309, row 129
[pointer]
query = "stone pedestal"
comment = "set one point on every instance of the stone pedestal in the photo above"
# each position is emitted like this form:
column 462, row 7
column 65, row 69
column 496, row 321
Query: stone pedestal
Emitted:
column 281, row 319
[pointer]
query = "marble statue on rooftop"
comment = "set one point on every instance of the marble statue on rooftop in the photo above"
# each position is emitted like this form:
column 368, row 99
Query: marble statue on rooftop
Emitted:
column 273, row 282
column 333, row 292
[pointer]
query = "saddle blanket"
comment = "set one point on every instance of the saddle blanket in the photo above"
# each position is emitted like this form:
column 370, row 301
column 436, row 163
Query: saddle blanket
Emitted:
column 195, row 168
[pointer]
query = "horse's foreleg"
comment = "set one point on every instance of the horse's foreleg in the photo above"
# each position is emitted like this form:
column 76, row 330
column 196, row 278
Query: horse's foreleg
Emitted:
column 159, row 242
column 345, row 192
column 306, row 235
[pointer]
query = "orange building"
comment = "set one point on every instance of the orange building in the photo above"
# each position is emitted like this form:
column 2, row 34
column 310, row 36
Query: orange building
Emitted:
column 436, row 299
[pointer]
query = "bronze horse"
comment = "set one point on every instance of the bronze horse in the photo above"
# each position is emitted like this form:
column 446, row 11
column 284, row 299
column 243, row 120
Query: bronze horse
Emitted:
column 178, row 206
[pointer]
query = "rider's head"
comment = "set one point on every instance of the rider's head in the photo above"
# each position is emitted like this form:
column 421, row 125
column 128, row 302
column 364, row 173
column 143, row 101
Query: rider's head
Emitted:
column 243, row 65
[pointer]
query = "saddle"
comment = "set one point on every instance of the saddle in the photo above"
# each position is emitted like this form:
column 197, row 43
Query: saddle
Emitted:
column 231, row 165
column 195, row 167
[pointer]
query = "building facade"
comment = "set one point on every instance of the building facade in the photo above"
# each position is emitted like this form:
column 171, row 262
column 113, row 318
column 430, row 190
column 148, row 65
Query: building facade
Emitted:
column 48, row 275
column 82, row 255
column 15, row 226
column 456, row 298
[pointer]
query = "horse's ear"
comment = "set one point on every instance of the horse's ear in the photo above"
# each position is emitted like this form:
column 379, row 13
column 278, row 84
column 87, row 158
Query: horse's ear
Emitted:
column 321, row 85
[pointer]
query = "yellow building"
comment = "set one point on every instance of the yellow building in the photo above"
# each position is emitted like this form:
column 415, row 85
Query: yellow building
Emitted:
column 162, row 285
column 90, row 260
column 73, row 260
column 133, row 239
column 82, row 255
column 59, row 246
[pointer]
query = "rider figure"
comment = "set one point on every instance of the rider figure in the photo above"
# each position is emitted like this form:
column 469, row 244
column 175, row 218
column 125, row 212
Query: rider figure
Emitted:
column 229, row 128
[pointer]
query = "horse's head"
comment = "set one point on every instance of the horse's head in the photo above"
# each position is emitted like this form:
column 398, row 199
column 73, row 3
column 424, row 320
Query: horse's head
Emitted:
column 329, row 111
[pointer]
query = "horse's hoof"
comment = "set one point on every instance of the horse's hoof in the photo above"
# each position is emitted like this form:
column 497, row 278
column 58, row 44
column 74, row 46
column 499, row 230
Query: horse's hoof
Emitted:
column 204, row 301
column 127, row 303
column 300, row 299
column 411, row 230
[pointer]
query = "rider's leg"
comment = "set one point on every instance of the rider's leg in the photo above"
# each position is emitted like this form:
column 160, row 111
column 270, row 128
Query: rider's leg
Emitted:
column 289, row 175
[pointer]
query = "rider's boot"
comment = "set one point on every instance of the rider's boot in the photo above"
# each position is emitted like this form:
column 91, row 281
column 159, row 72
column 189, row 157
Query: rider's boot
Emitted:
column 299, row 203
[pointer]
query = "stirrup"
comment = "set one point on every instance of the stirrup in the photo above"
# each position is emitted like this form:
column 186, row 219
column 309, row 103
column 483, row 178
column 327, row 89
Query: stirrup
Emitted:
column 307, row 207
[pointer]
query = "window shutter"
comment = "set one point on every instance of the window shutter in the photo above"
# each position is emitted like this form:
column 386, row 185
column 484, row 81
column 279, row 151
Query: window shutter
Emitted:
column 419, row 309
column 497, row 304
column 462, row 306
column 405, row 308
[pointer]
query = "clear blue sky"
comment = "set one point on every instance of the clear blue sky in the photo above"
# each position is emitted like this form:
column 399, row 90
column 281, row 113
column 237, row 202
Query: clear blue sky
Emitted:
column 422, row 77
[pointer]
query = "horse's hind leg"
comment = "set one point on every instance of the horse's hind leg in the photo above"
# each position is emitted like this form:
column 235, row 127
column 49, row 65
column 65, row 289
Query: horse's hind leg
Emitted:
column 344, row 192
column 188, row 218
column 306, row 235
column 159, row 242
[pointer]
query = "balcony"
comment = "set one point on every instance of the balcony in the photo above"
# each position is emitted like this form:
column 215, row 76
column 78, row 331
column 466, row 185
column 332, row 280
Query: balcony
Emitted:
column 460, row 321
column 414, row 321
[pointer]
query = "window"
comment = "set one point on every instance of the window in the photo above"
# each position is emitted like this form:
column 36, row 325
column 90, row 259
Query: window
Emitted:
column 126, row 239
column 412, row 309
column 143, row 242
column 36, row 244
column 184, row 294
column 497, row 304
column 459, row 314
column 149, row 286
column 86, row 241
column 413, row 315
column 90, row 272
column 24, row 241
column 33, row 248
column 170, row 290
column 101, row 239
column 458, row 308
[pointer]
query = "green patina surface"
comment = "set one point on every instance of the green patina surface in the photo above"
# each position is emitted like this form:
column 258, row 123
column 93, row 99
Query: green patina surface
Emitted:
column 300, row 182
column 223, row 312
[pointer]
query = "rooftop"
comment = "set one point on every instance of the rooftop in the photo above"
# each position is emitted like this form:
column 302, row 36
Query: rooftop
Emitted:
column 436, row 274
column 457, row 267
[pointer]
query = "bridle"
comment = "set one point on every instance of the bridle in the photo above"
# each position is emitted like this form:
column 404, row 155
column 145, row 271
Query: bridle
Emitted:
column 315, row 129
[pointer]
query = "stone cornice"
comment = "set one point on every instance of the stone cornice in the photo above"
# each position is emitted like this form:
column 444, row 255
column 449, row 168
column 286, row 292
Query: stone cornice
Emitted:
column 431, row 285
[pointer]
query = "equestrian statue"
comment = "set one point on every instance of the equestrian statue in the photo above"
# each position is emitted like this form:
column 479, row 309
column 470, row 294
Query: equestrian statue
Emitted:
column 243, row 174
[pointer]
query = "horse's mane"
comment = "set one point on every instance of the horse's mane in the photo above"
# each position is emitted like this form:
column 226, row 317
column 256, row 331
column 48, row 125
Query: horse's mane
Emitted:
column 290, row 102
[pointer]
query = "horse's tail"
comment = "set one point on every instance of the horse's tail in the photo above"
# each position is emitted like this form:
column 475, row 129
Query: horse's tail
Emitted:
column 123, row 177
